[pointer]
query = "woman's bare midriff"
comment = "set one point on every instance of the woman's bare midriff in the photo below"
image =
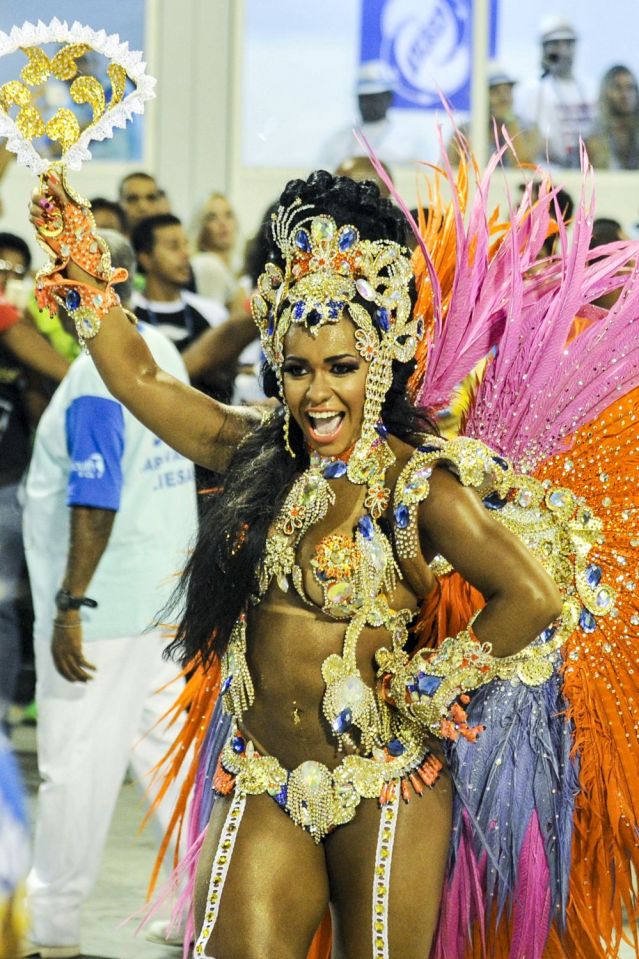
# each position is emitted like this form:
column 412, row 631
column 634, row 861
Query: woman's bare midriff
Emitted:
column 287, row 644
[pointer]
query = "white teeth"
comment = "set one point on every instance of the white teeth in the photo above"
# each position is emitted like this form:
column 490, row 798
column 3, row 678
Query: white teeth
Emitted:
column 319, row 415
column 324, row 424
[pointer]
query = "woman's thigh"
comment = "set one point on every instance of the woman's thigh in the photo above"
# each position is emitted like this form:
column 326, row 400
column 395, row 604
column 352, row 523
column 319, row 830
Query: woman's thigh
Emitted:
column 276, row 889
column 419, row 857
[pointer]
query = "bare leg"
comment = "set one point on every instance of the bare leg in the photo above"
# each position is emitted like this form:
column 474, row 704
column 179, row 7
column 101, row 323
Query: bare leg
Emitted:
column 418, row 865
column 276, row 890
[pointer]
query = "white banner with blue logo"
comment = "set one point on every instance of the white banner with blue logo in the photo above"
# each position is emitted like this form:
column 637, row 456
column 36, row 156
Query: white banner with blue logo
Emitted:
column 428, row 45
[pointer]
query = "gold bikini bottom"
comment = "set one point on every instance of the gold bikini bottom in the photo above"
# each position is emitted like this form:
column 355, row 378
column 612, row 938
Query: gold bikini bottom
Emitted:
column 318, row 798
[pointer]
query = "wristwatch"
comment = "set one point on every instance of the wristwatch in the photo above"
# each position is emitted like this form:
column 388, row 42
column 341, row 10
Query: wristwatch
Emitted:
column 65, row 601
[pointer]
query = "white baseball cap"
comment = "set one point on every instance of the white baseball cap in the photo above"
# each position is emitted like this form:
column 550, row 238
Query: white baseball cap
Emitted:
column 375, row 76
column 556, row 28
column 498, row 75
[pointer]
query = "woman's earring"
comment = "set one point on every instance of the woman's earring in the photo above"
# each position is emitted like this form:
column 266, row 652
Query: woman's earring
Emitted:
column 287, row 423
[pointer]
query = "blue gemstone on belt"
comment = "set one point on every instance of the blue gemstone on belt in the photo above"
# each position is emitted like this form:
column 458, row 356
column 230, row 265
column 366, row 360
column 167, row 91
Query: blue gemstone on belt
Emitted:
column 238, row 745
column 72, row 300
column 335, row 469
column 382, row 430
column 226, row 685
column 587, row 621
column 395, row 747
column 547, row 634
column 428, row 685
column 343, row 721
column 428, row 448
column 494, row 501
column 593, row 575
column 366, row 527
column 281, row 797
column 402, row 516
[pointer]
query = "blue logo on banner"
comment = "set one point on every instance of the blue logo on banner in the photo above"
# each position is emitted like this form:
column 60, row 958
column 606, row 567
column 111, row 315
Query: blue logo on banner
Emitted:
column 428, row 43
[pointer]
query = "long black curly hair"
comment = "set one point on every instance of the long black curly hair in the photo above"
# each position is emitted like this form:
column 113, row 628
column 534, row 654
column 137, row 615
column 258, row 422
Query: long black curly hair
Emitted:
column 220, row 574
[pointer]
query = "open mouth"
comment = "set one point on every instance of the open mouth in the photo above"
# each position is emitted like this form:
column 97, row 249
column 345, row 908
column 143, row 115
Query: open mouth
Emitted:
column 324, row 425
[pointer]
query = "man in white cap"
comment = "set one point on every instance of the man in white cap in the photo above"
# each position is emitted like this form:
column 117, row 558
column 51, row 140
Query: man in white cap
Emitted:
column 501, row 113
column 391, row 142
column 561, row 105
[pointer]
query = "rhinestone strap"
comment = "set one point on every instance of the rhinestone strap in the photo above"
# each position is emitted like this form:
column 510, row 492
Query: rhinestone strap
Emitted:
column 220, row 869
column 381, row 877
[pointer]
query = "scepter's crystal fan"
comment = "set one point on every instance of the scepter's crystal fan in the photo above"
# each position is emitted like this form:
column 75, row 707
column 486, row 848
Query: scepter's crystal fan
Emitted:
column 76, row 85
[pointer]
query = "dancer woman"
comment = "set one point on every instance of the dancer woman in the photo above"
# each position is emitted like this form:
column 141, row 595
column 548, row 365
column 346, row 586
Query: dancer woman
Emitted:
column 334, row 513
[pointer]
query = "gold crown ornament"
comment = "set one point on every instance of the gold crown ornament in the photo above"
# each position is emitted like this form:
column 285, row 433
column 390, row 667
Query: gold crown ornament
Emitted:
column 329, row 271
column 21, row 120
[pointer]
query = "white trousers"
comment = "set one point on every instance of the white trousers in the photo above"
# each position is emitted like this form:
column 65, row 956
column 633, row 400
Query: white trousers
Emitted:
column 87, row 736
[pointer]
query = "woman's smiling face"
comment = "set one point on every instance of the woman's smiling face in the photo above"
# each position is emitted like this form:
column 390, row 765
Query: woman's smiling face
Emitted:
column 325, row 385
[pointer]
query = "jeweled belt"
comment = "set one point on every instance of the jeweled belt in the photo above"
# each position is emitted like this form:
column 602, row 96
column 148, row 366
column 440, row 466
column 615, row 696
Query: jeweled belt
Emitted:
column 317, row 798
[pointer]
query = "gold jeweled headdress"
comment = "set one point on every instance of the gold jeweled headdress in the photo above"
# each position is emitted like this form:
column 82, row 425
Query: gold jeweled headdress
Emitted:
column 21, row 119
column 327, row 269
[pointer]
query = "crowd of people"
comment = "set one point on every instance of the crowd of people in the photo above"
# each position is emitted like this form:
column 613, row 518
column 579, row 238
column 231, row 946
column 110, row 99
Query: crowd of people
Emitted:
column 546, row 117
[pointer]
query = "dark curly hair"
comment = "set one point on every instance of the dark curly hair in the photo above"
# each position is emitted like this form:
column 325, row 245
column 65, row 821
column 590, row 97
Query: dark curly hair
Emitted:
column 220, row 575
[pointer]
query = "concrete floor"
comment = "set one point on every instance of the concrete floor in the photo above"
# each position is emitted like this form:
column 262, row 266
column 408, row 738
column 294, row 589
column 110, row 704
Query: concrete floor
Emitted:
column 126, row 868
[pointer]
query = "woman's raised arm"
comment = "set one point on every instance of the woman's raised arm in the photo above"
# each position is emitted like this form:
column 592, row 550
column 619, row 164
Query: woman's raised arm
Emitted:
column 195, row 425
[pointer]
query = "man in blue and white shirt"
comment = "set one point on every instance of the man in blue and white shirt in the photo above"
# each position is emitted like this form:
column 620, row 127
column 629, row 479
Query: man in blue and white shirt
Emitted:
column 109, row 516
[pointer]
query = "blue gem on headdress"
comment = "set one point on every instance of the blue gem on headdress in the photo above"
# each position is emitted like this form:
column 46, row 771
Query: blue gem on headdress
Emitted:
column 501, row 462
column 395, row 747
column 382, row 319
column 342, row 722
column 313, row 317
column 382, row 430
column 366, row 527
column 428, row 448
column 72, row 300
column 335, row 469
column 587, row 621
column 494, row 501
column 298, row 310
column 593, row 575
column 428, row 685
column 238, row 744
column 547, row 634
column 226, row 685
column 335, row 307
column 303, row 241
column 402, row 516
column 347, row 238
column 270, row 326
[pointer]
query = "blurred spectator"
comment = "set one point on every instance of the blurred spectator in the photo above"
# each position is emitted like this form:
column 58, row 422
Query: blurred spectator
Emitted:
column 563, row 206
column 162, row 249
column 391, row 142
column 108, row 215
column 213, row 264
column 360, row 168
column 14, row 853
column 109, row 513
column 606, row 230
column 559, row 104
column 20, row 347
column 139, row 197
column 502, row 114
column 614, row 144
